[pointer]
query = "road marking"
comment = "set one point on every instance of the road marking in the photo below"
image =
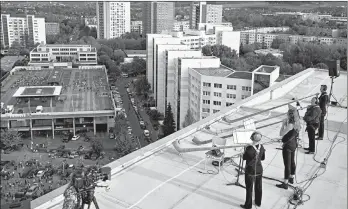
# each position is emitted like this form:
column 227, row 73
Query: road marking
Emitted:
column 163, row 183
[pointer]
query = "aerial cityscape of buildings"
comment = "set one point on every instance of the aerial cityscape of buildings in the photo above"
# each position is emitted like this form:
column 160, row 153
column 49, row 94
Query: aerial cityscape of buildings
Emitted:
column 68, row 90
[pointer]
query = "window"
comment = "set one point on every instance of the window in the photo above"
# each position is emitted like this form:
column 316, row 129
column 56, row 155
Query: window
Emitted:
column 233, row 87
column 206, row 93
column 217, row 94
column 206, row 84
column 244, row 96
column 231, row 96
column 246, row 88
column 217, row 103
column 217, row 85
column 206, row 101
column 215, row 111
column 206, row 110
column 229, row 104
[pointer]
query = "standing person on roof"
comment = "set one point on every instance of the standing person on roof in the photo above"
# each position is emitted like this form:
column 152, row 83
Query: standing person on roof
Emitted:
column 253, row 155
column 312, row 118
column 323, row 102
column 289, row 132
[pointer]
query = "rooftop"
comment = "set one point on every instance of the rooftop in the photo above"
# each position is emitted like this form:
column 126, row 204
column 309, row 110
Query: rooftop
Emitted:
column 157, row 177
column 81, row 90
column 265, row 69
column 140, row 52
column 241, row 75
column 38, row 91
column 222, row 71
column 8, row 61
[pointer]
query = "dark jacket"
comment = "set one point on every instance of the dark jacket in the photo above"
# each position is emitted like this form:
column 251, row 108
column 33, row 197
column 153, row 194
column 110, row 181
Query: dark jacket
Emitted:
column 312, row 115
column 252, row 160
column 290, row 140
column 323, row 101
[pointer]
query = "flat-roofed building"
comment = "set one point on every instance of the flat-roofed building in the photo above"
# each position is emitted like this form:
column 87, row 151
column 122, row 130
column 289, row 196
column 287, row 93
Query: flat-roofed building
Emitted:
column 57, row 100
column 46, row 55
column 52, row 28
column 181, row 25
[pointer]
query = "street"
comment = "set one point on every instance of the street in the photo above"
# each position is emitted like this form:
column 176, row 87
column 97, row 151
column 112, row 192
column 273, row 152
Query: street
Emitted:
column 132, row 115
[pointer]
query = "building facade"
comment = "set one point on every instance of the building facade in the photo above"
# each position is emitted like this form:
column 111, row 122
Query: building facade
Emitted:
column 45, row 54
column 158, row 17
column 137, row 27
column 24, row 30
column 181, row 26
column 113, row 19
column 212, row 14
column 196, row 11
column 266, row 39
column 52, row 28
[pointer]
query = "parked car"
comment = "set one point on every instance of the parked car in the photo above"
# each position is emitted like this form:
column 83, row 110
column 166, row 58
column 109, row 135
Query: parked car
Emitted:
column 76, row 137
column 40, row 174
column 111, row 136
column 146, row 133
column 32, row 191
column 142, row 124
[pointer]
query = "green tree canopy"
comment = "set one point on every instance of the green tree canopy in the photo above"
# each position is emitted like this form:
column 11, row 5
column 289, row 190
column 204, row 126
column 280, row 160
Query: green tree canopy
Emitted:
column 189, row 119
column 168, row 123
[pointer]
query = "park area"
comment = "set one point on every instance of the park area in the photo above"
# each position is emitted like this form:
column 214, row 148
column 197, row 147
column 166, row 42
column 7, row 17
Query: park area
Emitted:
column 30, row 173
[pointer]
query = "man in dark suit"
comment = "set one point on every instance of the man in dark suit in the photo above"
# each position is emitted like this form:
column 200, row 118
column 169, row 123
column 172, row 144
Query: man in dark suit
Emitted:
column 323, row 102
column 312, row 119
column 253, row 156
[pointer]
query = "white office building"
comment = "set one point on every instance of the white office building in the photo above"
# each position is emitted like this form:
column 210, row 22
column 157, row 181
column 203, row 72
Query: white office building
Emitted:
column 181, row 25
column 24, row 30
column 113, row 19
column 62, row 55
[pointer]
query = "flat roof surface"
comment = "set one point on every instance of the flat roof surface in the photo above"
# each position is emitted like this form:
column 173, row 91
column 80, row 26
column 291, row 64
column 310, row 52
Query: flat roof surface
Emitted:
column 8, row 61
column 222, row 71
column 38, row 91
column 265, row 69
column 157, row 177
column 241, row 75
column 81, row 90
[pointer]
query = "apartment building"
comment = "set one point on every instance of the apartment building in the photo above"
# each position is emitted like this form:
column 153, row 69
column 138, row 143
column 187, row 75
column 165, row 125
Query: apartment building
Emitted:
column 158, row 17
column 113, row 19
column 212, row 14
column 90, row 21
column 201, row 12
column 47, row 55
column 266, row 39
column 214, row 88
column 196, row 14
column 137, row 27
column 28, row 29
column 52, row 28
column 181, row 25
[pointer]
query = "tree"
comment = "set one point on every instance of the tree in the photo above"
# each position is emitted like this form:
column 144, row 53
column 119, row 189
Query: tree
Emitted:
column 189, row 119
column 168, row 123
column 139, row 65
column 15, row 48
column 276, row 43
column 97, row 146
column 321, row 66
column 119, row 124
column 9, row 139
column 124, row 145
column 142, row 86
column 24, row 52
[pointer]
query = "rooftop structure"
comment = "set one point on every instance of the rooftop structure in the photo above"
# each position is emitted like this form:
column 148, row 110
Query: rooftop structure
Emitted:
column 38, row 91
column 216, row 72
column 157, row 177
column 274, row 52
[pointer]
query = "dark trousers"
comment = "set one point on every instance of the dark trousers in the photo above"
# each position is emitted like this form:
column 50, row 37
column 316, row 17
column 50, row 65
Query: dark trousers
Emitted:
column 289, row 163
column 311, row 138
column 321, row 126
column 249, row 182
